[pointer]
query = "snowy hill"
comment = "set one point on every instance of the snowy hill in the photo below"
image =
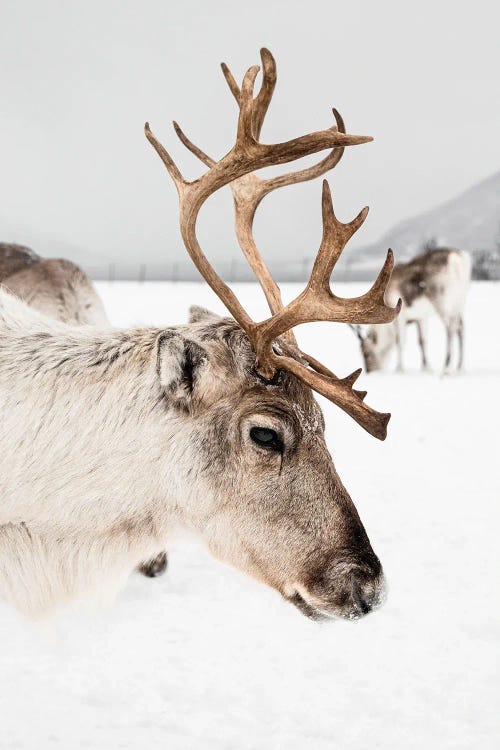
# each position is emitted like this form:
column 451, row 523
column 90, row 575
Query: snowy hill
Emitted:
column 471, row 221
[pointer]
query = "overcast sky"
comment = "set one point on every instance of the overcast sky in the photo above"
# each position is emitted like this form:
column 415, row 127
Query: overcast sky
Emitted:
column 78, row 80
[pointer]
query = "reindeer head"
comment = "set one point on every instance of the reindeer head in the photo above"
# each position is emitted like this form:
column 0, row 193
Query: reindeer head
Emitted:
column 271, row 501
column 376, row 345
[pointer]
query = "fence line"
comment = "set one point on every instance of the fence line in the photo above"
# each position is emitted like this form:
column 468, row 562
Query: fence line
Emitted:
column 486, row 265
column 233, row 270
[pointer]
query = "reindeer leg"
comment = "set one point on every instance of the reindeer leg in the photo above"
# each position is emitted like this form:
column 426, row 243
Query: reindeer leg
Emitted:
column 449, row 344
column 460, row 335
column 421, row 342
column 154, row 567
column 400, row 339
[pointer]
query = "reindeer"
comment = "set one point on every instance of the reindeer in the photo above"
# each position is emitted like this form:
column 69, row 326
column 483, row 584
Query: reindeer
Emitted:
column 433, row 283
column 111, row 438
column 61, row 290
column 54, row 286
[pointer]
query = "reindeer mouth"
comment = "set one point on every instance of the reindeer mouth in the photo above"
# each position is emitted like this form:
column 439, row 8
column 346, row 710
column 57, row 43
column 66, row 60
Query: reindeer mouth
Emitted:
column 311, row 612
column 357, row 605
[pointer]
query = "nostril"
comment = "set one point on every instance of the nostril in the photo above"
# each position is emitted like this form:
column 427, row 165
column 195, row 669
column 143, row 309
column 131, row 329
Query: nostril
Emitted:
column 363, row 600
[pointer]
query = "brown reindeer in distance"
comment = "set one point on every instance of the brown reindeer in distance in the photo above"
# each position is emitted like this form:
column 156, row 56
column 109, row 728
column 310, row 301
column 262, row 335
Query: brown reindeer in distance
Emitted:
column 59, row 288
column 210, row 424
column 54, row 286
column 433, row 283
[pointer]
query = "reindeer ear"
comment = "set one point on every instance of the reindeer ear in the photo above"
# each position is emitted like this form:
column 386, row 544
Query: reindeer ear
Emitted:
column 358, row 331
column 197, row 314
column 178, row 364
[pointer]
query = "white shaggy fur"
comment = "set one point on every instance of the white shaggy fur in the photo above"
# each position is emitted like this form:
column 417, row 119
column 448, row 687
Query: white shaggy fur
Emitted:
column 109, row 438
column 63, row 525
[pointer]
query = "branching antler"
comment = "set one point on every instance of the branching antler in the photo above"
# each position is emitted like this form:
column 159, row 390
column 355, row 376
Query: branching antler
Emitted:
column 316, row 302
column 249, row 190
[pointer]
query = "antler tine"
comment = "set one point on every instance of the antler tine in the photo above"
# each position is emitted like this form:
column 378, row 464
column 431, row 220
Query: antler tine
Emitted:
column 335, row 237
column 377, row 292
column 317, row 302
column 202, row 156
column 316, row 170
column 341, row 393
column 231, row 82
column 263, row 98
column 329, row 374
column 247, row 106
column 162, row 152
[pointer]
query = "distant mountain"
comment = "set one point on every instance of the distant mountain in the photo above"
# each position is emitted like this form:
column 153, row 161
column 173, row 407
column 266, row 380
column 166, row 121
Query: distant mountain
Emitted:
column 471, row 221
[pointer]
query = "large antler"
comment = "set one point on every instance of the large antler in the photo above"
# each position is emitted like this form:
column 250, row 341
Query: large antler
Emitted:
column 249, row 190
column 316, row 302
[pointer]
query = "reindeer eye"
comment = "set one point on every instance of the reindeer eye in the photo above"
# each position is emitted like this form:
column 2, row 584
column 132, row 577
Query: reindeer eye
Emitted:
column 266, row 438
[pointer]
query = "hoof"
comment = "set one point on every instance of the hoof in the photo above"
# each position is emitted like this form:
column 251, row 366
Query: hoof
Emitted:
column 155, row 567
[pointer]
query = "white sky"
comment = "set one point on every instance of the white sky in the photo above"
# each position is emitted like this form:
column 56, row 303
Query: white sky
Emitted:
column 78, row 80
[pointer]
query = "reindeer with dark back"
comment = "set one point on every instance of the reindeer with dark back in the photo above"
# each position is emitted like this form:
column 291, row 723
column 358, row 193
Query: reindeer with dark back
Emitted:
column 433, row 283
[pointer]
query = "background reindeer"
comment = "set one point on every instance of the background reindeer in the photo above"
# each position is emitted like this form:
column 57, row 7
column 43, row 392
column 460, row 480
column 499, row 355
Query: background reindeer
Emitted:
column 60, row 289
column 56, row 287
column 433, row 283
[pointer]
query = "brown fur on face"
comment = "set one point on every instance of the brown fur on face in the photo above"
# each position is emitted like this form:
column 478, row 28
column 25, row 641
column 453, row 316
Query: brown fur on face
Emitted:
column 283, row 516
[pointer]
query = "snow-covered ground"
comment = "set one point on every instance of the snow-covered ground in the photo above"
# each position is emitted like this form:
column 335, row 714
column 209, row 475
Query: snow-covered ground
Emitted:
column 205, row 659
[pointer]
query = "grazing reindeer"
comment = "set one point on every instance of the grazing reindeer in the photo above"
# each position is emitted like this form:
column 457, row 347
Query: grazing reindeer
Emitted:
column 55, row 287
column 110, row 438
column 433, row 283
column 60, row 289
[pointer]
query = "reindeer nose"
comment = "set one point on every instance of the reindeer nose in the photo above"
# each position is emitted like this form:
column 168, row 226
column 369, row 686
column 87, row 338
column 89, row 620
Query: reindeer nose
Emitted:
column 367, row 587
column 363, row 597
column 346, row 589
